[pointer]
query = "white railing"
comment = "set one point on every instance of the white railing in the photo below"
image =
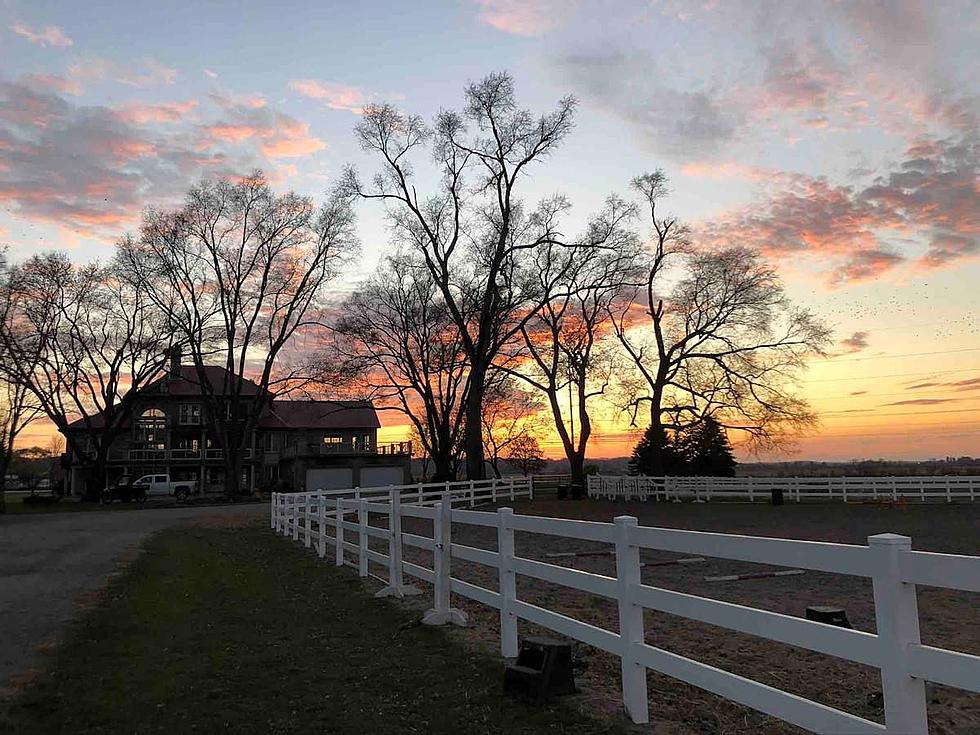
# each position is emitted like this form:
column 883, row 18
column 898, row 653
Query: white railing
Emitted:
column 627, row 487
column 888, row 560
column 462, row 492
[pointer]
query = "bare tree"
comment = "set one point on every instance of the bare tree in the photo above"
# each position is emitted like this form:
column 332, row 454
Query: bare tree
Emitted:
column 725, row 341
column 483, row 247
column 525, row 453
column 400, row 338
column 510, row 418
column 81, row 341
column 237, row 272
column 564, row 351
column 17, row 411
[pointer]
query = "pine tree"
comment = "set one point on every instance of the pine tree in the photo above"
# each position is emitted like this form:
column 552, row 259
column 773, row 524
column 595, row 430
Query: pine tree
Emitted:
column 656, row 454
column 707, row 451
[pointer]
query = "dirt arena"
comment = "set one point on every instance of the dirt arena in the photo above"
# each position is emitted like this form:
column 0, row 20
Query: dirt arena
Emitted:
column 948, row 618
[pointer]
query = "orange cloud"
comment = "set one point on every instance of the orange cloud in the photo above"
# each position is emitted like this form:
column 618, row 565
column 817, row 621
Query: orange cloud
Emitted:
column 334, row 95
column 47, row 36
column 52, row 83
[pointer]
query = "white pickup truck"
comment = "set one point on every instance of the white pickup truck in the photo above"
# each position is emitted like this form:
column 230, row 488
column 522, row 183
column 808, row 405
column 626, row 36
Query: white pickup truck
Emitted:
column 162, row 485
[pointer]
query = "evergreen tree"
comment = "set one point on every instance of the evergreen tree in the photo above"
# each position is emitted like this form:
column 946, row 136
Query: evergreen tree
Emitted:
column 656, row 454
column 706, row 450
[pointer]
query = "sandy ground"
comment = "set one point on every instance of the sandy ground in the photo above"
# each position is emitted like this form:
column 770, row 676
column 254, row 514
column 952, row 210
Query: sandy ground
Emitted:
column 948, row 618
column 50, row 563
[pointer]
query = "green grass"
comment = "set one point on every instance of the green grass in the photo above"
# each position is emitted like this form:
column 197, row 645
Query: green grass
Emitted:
column 238, row 630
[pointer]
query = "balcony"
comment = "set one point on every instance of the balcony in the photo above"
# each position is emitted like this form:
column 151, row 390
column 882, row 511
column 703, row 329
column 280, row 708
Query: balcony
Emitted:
column 347, row 448
column 177, row 455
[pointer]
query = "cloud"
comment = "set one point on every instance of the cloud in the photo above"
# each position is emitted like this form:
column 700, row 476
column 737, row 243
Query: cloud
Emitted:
column 922, row 402
column 678, row 122
column 92, row 168
column 522, row 17
column 855, row 343
column 52, row 83
column 210, row 74
column 932, row 194
column 47, row 36
column 957, row 385
column 250, row 119
column 334, row 95
column 141, row 114
column 145, row 73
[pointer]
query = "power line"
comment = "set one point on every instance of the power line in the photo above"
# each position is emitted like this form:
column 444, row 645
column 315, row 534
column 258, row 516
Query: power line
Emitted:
column 903, row 413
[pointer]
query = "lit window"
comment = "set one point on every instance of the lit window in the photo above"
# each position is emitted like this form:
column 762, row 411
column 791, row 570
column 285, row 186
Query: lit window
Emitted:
column 333, row 440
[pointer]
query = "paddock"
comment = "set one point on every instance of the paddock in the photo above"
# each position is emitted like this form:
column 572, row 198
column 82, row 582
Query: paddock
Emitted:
column 948, row 619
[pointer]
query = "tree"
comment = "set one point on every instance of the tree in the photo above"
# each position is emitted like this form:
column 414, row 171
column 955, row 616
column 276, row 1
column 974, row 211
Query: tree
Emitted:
column 657, row 454
column 17, row 410
column 484, row 248
column 400, row 340
column 562, row 351
column 510, row 418
column 237, row 273
column 707, row 451
column 724, row 342
column 525, row 452
column 82, row 341
column 31, row 465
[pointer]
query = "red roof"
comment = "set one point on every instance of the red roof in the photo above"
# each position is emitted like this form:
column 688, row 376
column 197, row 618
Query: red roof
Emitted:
column 321, row 415
column 188, row 383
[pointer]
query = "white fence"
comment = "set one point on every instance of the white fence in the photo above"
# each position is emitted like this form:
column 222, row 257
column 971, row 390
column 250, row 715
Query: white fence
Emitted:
column 626, row 487
column 888, row 560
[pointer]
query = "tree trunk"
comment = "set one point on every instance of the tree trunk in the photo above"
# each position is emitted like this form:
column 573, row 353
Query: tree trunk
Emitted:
column 473, row 444
column 443, row 464
column 576, row 466
column 93, row 489
column 233, row 474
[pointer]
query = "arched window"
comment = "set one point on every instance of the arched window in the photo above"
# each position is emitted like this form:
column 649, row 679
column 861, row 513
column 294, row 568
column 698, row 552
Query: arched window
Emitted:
column 151, row 429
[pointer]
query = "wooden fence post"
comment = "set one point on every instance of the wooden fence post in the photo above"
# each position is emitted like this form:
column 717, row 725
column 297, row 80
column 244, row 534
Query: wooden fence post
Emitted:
column 338, row 534
column 307, row 525
column 630, row 621
column 507, row 583
column 396, row 586
column 512, row 489
column 295, row 517
column 321, row 524
column 362, row 538
column 530, row 487
column 472, row 498
column 897, row 622
column 441, row 613
column 272, row 511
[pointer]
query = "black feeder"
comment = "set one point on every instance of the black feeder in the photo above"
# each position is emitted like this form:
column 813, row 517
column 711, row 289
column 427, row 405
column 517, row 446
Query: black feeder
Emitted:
column 777, row 496
column 543, row 669
column 829, row 615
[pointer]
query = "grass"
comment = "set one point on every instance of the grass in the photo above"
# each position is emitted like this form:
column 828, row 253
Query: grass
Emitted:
column 15, row 505
column 220, row 629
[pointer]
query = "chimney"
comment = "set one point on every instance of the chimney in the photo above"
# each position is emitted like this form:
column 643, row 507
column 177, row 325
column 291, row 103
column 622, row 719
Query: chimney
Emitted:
column 175, row 356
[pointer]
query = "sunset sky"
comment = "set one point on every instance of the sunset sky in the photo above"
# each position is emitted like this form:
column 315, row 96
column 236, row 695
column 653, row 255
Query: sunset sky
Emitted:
column 841, row 138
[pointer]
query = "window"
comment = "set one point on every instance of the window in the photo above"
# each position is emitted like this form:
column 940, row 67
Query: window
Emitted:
column 190, row 414
column 151, row 429
column 333, row 440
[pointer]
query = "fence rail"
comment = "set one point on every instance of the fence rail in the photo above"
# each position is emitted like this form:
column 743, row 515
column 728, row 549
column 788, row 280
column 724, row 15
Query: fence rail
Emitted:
column 946, row 488
column 888, row 560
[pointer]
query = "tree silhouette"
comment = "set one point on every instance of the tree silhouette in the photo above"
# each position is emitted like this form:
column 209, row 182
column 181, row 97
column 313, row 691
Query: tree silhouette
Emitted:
column 656, row 454
column 706, row 450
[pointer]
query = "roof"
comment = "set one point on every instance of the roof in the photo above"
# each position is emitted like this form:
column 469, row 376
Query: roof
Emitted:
column 188, row 383
column 321, row 415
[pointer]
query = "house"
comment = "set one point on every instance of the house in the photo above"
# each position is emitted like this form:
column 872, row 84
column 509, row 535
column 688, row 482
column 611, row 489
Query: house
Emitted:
column 298, row 445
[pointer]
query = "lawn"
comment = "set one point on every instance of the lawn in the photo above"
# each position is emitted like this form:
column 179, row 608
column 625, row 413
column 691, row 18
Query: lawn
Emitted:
column 15, row 504
column 235, row 629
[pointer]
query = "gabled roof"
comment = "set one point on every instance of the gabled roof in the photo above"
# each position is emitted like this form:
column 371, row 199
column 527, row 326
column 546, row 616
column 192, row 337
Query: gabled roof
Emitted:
column 321, row 415
column 188, row 384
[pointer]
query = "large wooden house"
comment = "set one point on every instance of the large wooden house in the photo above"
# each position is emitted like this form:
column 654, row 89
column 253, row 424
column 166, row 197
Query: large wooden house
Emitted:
column 298, row 444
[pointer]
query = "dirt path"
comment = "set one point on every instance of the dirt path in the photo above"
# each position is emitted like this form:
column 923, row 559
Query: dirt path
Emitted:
column 50, row 563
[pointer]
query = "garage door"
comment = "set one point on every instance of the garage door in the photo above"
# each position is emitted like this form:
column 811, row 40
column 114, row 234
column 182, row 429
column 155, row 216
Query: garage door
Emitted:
column 381, row 476
column 331, row 478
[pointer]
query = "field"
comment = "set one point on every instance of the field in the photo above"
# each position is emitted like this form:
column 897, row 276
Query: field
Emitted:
column 231, row 629
column 948, row 618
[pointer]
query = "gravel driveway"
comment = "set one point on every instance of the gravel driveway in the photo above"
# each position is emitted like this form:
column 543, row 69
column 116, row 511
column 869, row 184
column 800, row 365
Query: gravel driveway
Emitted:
column 48, row 562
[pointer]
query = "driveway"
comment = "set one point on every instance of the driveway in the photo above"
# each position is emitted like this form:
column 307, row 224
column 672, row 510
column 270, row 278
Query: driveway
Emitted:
column 49, row 561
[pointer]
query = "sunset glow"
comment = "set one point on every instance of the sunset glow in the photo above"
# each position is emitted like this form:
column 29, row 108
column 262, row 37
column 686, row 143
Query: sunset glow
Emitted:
column 842, row 139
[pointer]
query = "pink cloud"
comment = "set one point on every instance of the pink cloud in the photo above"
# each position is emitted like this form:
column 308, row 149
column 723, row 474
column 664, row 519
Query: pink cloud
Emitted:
column 210, row 74
column 146, row 73
column 333, row 94
column 140, row 114
column 47, row 36
column 726, row 170
column 52, row 83
column 522, row 17
column 153, row 73
column 933, row 193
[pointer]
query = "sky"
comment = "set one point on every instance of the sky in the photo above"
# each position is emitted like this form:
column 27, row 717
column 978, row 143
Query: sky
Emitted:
column 840, row 138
